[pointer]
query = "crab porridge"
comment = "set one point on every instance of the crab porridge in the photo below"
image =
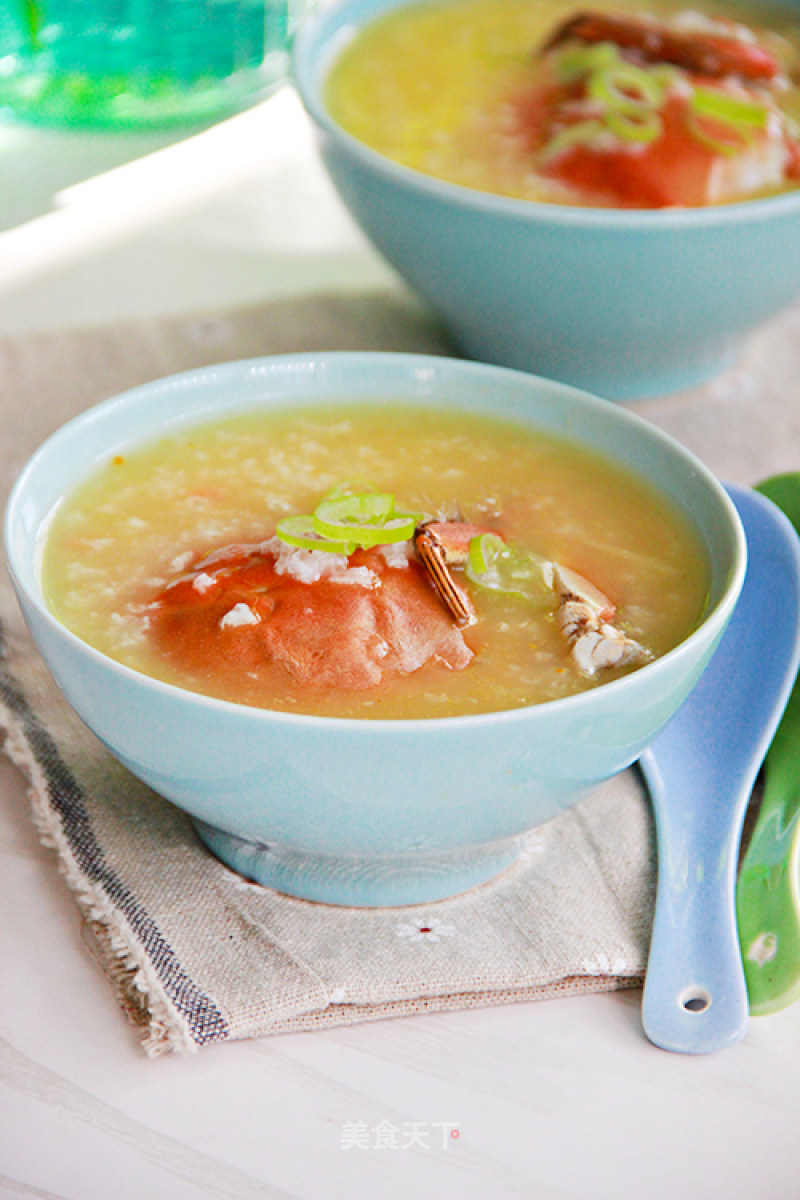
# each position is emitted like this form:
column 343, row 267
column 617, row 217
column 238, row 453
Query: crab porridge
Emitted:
column 374, row 561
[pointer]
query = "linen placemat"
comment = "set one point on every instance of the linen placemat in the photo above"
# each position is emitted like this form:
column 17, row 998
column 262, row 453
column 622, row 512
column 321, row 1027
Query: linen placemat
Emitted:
column 197, row 954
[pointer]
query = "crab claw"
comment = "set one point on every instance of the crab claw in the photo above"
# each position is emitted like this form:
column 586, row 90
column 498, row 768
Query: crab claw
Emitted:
column 584, row 617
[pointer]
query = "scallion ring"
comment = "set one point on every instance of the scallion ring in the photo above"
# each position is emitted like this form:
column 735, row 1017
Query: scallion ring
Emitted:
column 726, row 124
column 581, row 133
column 730, row 110
column 398, row 528
column 493, row 564
column 368, row 518
column 300, row 532
column 624, row 87
column 364, row 508
column 483, row 551
column 576, row 62
column 634, row 125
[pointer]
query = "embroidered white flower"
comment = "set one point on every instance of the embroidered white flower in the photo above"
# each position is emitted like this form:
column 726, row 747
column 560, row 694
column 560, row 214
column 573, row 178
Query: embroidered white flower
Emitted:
column 432, row 930
column 603, row 965
column 337, row 996
column 533, row 843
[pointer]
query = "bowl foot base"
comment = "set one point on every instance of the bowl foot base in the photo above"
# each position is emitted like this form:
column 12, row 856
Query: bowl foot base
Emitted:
column 362, row 882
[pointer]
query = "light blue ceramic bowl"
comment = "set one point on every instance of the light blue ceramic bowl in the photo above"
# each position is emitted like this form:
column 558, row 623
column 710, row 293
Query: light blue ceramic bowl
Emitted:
column 355, row 811
column 625, row 304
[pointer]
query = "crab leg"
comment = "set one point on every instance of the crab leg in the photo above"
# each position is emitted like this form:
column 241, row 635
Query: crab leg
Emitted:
column 710, row 54
column 433, row 554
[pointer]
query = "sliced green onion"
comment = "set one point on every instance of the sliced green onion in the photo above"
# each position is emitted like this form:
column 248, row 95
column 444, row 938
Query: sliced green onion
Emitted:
column 300, row 531
column 730, row 110
column 493, row 564
column 362, row 509
column 726, row 124
column 343, row 522
column 582, row 133
column 483, row 551
column 717, row 135
column 642, row 125
column 398, row 528
column 577, row 61
column 369, row 519
column 625, row 86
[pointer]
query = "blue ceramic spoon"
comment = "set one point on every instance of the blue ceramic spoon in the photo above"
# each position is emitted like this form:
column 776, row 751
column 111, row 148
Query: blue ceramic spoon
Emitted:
column 700, row 771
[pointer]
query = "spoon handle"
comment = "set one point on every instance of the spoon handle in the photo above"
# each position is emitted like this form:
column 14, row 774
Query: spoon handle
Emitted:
column 695, row 997
column 700, row 771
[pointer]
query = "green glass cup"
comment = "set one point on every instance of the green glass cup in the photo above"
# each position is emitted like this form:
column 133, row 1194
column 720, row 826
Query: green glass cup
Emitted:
column 140, row 64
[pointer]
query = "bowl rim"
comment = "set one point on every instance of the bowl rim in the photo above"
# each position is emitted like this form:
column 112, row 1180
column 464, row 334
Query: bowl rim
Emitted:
column 402, row 365
column 313, row 53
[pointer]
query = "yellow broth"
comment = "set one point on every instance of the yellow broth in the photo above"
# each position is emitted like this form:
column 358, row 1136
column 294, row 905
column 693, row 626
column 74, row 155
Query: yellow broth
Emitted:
column 114, row 543
column 429, row 84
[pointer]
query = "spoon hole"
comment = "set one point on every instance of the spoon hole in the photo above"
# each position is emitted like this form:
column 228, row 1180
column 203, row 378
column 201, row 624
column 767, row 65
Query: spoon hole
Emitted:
column 696, row 1000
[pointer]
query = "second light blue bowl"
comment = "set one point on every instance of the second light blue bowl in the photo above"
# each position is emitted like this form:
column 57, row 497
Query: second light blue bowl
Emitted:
column 623, row 303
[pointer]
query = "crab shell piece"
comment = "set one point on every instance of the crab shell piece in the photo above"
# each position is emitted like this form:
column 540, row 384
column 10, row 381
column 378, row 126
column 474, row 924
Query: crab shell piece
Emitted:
column 454, row 537
column 354, row 625
column 440, row 545
column 713, row 55
column 433, row 557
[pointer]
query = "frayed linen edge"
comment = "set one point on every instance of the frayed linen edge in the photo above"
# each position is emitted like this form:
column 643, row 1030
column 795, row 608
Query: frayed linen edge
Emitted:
column 120, row 953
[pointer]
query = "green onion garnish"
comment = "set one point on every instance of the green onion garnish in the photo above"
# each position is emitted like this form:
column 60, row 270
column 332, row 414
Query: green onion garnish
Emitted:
column 733, row 110
column 575, row 62
column 627, row 97
column 300, row 531
column 483, row 551
column 356, row 510
column 642, row 125
column 582, row 133
column 342, row 522
column 626, row 87
column 494, row 564
column 370, row 519
column 726, row 124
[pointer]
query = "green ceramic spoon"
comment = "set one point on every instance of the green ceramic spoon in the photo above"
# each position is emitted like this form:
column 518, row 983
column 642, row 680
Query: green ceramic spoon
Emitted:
column 768, row 889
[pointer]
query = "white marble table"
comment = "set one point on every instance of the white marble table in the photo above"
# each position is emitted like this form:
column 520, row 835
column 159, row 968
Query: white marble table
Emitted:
column 555, row 1101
